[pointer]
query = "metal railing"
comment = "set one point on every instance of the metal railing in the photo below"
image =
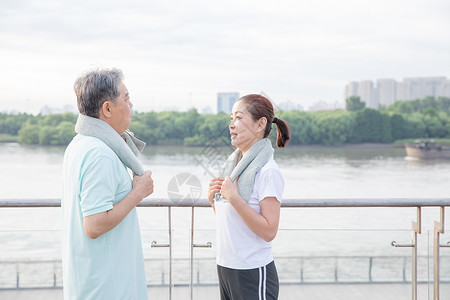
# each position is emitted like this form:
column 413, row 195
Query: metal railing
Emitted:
column 50, row 271
column 296, row 203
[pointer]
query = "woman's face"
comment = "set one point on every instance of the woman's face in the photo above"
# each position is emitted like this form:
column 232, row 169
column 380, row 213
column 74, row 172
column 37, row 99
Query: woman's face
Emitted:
column 244, row 130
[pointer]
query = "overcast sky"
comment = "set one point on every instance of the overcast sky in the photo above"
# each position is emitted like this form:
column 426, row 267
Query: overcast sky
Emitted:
column 177, row 54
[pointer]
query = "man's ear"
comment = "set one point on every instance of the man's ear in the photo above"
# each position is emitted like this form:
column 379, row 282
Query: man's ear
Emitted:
column 106, row 109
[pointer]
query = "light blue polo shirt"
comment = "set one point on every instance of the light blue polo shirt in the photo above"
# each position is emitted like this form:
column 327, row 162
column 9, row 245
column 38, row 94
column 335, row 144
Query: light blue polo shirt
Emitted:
column 110, row 267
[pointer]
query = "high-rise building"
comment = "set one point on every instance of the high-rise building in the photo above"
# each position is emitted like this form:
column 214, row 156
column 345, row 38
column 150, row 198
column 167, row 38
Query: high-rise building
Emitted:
column 351, row 89
column 419, row 88
column 444, row 88
column 387, row 91
column 367, row 92
column 225, row 101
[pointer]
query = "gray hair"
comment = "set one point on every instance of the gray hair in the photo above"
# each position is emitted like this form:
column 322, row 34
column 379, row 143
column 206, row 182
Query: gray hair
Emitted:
column 95, row 87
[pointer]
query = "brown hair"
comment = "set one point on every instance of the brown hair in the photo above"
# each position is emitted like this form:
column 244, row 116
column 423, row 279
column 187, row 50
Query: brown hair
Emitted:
column 260, row 107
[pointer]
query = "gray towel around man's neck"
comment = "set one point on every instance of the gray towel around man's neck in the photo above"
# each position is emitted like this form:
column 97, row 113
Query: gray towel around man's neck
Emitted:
column 127, row 151
column 246, row 166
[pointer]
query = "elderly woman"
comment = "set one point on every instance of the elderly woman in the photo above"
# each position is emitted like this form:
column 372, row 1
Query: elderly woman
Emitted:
column 247, row 200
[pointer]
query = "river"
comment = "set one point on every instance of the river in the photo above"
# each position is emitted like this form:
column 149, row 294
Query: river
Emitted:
column 357, row 171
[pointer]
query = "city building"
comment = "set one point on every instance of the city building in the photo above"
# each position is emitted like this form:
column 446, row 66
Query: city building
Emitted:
column 225, row 101
column 206, row 110
column 386, row 91
column 366, row 91
column 444, row 88
column 288, row 105
column 351, row 89
column 47, row 110
column 322, row 106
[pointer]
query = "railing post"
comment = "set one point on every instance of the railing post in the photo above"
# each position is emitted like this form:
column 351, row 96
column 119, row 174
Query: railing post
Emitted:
column 17, row 276
column 191, row 286
column 438, row 229
column 54, row 274
column 336, row 270
column 301, row 271
column 170, row 252
column 169, row 245
column 404, row 269
column 207, row 245
column 416, row 229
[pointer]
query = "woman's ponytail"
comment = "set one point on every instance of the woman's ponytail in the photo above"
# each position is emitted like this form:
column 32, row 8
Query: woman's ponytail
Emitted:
column 283, row 134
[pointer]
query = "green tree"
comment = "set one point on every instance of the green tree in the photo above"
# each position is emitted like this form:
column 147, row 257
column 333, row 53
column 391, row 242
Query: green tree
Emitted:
column 335, row 128
column 435, row 128
column 214, row 128
column 65, row 133
column 417, row 126
column 55, row 119
column 443, row 104
column 302, row 125
column 399, row 127
column 354, row 103
column 146, row 127
column 11, row 124
column 47, row 135
column 371, row 126
column 29, row 134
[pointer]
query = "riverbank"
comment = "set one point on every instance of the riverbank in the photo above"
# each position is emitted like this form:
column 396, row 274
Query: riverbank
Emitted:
column 443, row 142
column 7, row 138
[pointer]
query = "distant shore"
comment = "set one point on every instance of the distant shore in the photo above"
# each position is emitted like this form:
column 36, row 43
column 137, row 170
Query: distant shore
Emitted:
column 5, row 138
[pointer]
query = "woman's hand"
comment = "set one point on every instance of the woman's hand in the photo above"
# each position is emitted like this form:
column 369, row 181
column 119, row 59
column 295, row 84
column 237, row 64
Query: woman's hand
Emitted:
column 214, row 187
column 230, row 189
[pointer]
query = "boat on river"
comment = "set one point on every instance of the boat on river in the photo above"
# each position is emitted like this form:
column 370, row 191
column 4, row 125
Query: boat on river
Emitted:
column 427, row 150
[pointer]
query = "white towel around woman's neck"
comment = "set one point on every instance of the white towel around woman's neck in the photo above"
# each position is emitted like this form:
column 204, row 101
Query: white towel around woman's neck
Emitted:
column 246, row 166
column 127, row 150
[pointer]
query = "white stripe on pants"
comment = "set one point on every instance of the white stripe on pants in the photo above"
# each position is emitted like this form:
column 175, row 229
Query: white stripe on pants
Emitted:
column 262, row 283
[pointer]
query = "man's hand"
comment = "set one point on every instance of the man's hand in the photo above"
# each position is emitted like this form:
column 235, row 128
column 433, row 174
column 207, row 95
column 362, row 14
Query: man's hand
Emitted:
column 143, row 185
column 97, row 224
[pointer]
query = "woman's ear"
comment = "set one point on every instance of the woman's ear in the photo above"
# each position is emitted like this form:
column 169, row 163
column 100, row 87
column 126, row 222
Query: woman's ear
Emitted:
column 262, row 124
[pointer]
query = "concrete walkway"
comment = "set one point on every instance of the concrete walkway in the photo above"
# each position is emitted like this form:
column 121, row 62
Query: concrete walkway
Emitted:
column 376, row 291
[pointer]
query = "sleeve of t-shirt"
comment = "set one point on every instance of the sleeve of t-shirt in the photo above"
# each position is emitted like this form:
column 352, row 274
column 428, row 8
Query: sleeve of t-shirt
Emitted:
column 97, row 186
column 271, row 184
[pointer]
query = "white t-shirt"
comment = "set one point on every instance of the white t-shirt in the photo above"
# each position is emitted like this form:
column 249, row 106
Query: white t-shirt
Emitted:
column 238, row 247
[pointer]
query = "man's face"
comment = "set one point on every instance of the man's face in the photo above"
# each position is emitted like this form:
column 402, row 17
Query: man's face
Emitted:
column 121, row 111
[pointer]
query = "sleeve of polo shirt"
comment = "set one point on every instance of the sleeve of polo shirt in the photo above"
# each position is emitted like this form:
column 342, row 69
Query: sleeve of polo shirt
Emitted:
column 271, row 184
column 97, row 186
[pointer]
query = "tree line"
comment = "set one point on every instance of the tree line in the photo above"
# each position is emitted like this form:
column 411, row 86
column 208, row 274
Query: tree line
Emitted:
column 421, row 118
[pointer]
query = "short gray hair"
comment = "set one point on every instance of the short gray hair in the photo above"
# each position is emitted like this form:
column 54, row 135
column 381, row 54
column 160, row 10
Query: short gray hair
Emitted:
column 95, row 87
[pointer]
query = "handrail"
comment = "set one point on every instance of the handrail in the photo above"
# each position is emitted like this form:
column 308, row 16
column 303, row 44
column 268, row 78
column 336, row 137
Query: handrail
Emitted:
column 418, row 203
column 311, row 202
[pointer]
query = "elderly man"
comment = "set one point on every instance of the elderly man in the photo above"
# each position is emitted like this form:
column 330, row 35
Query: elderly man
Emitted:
column 102, row 250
